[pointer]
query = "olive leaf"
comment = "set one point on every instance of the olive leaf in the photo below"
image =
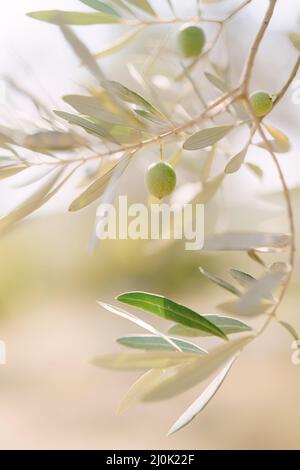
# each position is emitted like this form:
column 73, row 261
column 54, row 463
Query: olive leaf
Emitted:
column 281, row 141
column 246, row 241
column 91, row 106
column 227, row 324
column 244, row 279
column 295, row 39
column 206, row 137
column 203, row 400
column 166, row 308
column 149, row 342
column 220, row 282
column 11, row 170
column 216, row 82
column 100, row 6
column 290, row 329
column 87, row 124
column 209, row 189
column 236, row 162
column 61, row 17
column 255, row 169
column 119, row 43
column 143, row 5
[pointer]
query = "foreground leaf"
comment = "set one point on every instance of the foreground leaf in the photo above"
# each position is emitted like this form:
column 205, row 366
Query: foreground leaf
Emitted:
column 227, row 324
column 203, row 400
column 165, row 308
column 143, row 360
column 138, row 321
column 154, row 342
column 236, row 162
column 206, row 137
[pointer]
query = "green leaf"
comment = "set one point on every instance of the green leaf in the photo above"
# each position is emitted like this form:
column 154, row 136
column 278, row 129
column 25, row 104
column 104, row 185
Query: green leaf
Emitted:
column 60, row 17
column 290, row 329
column 236, row 162
column 145, row 360
column 165, row 308
column 154, row 342
column 96, row 189
column 206, row 137
column 245, row 279
column 139, row 322
column 143, row 5
column 100, row 6
column 203, row 400
column 227, row 324
column 220, row 282
column 86, row 124
column 129, row 96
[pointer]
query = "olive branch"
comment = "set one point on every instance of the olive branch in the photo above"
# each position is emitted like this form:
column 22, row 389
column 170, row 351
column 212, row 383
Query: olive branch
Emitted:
column 119, row 123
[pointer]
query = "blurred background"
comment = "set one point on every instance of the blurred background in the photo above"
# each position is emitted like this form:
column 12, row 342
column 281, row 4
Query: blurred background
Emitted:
column 51, row 397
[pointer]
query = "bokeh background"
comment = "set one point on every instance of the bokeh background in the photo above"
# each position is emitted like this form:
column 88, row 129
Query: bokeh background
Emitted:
column 51, row 397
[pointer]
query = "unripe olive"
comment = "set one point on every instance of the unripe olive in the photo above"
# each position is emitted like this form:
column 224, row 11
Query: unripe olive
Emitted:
column 160, row 179
column 262, row 103
column 191, row 41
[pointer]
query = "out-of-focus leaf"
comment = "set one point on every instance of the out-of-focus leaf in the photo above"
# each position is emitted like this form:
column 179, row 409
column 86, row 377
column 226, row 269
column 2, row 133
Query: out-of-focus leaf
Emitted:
column 227, row 324
column 254, row 256
column 236, row 162
column 143, row 5
column 43, row 141
column 206, row 137
column 96, row 189
column 176, row 380
column 139, row 322
column 245, row 241
column 290, row 329
column 149, row 116
column 165, row 308
column 60, row 17
column 143, row 360
column 119, row 43
column 10, row 170
column 147, row 342
column 220, row 282
column 91, row 106
column 100, row 6
column 276, row 148
column 209, row 189
column 216, row 82
column 295, row 39
column 233, row 308
column 129, row 96
column 203, row 400
column 82, row 52
column 255, row 169
column 86, row 124
column 281, row 140
column 244, row 279
column 260, row 289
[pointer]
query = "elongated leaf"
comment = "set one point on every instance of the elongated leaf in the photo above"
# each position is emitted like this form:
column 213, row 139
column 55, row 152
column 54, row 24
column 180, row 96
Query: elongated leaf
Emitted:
column 255, row 169
column 220, row 282
column 119, row 43
column 139, row 322
column 236, row 162
column 43, row 141
column 290, row 329
column 143, row 5
column 281, row 140
column 203, row 400
column 227, row 324
column 165, row 308
column 144, row 360
column 129, row 96
column 7, row 171
column 86, row 124
column 216, row 82
column 260, row 290
column 209, row 189
column 163, row 384
column 100, row 6
column 147, row 342
column 97, row 188
column 206, row 137
column 295, row 39
column 233, row 308
column 246, row 241
column 82, row 52
column 60, row 17
column 244, row 279
column 91, row 106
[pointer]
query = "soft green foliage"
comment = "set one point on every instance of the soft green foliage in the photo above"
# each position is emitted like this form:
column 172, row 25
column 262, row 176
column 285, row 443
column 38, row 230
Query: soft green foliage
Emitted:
column 160, row 179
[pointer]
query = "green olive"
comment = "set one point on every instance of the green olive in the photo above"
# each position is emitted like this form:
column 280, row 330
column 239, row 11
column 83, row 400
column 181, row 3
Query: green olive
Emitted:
column 191, row 41
column 262, row 103
column 160, row 179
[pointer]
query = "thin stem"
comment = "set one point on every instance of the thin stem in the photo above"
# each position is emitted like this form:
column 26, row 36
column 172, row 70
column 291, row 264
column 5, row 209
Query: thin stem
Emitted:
column 288, row 83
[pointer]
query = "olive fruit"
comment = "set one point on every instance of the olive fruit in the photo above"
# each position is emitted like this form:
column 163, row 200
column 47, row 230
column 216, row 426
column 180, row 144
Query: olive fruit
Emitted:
column 262, row 103
column 160, row 179
column 191, row 41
